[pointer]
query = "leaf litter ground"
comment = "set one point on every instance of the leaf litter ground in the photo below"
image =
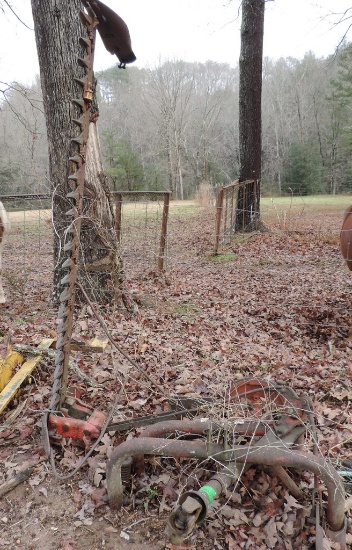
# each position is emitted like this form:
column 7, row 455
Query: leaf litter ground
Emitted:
column 274, row 305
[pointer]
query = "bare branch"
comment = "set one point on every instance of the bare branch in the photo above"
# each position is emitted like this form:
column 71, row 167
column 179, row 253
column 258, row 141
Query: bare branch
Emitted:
column 17, row 17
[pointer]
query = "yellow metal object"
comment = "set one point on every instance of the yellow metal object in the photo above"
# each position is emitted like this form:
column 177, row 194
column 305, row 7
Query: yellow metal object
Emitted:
column 7, row 366
column 13, row 386
column 47, row 343
column 96, row 345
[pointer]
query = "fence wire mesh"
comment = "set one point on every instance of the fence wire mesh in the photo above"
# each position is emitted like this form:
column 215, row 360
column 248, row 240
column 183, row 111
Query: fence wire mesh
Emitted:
column 273, row 305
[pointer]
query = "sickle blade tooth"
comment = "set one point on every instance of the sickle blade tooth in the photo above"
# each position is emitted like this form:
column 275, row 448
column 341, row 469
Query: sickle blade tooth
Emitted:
column 83, row 62
column 80, row 81
column 73, row 195
column 73, row 177
column 85, row 42
column 85, row 18
column 67, row 247
column 68, row 264
column 79, row 102
column 77, row 159
column 79, row 140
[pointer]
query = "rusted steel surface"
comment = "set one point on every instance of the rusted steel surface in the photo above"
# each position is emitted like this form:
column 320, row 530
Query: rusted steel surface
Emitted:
column 271, row 442
column 147, row 446
column 201, row 427
column 288, row 458
column 116, row 38
column 118, row 215
column 75, row 198
column 269, row 452
column 346, row 238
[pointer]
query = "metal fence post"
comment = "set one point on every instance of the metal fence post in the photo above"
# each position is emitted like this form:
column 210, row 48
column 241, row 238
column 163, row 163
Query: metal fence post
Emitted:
column 219, row 205
column 163, row 236
column 118, row 215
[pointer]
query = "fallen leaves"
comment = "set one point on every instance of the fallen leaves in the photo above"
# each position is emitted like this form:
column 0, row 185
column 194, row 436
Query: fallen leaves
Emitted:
column 272, row 312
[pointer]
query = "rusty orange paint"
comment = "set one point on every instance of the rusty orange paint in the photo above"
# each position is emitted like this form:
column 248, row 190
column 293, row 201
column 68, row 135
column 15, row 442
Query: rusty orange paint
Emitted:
column 346, row 238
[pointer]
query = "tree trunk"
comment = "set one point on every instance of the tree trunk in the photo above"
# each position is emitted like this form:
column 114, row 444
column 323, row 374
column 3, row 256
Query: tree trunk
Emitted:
column 58, row 30
column 100, row 265
column 250, row 113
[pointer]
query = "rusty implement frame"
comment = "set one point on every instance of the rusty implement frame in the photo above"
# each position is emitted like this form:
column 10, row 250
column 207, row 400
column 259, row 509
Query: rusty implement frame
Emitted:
column 274, row 440
column 84, row 425
column 75, row 198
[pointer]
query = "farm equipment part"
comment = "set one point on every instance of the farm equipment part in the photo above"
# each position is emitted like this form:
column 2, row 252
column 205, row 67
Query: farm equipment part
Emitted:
column 83, row 425
column 115, row 36
column 275, row 424
column 11, row 383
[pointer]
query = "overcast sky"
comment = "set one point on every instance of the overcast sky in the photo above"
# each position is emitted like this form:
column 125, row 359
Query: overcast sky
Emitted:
column 193, row 30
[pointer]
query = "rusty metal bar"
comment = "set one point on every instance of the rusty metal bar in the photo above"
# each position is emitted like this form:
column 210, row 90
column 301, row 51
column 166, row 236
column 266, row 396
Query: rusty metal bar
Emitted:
column 280, row 456
column 226, row 219
column 141, row 193
column 118, row 215
column 71, row 248
column 232, row 218
column 219, row 205
column 163, row 236
column 230, row 185
column 269, row 451
column 202, row 426
column 33, row 196
column 148, row 446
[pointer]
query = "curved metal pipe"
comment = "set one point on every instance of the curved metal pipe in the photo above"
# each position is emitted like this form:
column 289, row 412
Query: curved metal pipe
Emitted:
column 201, row 426
column 266, row 454
column 150, row 446
column 281, row 456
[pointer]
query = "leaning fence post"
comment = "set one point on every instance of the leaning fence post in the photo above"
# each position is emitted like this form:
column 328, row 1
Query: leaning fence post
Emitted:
column 163, row 236
column 118, row 215
column 219, row 205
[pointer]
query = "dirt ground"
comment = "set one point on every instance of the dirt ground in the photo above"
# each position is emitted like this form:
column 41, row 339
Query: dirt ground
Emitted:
column 274, row 306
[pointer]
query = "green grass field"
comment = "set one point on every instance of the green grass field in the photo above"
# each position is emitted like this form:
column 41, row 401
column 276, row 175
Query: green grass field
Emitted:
column 312, row 203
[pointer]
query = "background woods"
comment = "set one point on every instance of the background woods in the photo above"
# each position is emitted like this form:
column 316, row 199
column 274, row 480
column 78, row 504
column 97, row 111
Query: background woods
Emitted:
column 176, row 125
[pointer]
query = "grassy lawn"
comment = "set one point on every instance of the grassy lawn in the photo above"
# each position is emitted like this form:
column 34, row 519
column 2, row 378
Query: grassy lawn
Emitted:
column 311, row 203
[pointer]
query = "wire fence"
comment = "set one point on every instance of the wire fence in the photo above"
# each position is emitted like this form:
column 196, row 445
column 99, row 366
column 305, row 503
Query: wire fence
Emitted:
column 153, row 233
column 141, row 220
column 274, row 303
column 141, row 230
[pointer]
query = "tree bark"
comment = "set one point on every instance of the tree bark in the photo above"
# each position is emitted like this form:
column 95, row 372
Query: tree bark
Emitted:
column 250, row 113
column 58, row 30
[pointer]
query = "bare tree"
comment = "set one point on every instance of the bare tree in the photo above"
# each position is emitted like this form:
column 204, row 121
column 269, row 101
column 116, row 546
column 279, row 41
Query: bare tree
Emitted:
column 172, row 87
column 60, row 42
